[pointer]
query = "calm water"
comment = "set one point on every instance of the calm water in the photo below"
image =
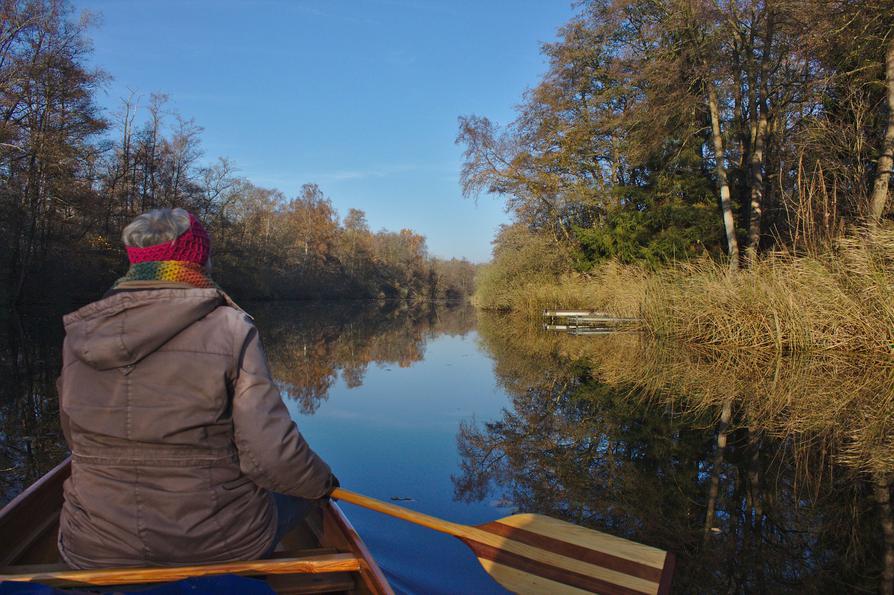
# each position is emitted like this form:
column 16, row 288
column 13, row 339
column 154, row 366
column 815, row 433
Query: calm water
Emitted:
column 470, row 418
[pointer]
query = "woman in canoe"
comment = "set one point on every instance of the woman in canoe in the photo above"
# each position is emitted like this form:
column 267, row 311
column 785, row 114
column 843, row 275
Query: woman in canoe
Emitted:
column 182, row 449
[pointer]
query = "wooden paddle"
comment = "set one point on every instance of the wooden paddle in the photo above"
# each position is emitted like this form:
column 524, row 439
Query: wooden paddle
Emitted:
column 533, row 553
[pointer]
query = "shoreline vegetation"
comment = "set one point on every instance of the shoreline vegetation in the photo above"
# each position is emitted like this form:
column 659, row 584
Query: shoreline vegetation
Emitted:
column 840, row 299
column 720, row 171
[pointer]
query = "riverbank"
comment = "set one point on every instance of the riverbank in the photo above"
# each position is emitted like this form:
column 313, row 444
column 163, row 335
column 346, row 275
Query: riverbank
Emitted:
column 841, row 299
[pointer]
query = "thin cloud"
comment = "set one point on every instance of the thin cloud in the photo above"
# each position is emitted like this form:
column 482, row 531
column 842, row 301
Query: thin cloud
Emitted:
column 363, row 174
column 287, row 181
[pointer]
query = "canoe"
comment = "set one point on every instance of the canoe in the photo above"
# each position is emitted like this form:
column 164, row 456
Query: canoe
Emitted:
column 324, row 555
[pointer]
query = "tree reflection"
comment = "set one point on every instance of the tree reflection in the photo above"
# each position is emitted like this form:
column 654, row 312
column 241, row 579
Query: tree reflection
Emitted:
column 31, row 440
column 671, row 448
column 310, row 346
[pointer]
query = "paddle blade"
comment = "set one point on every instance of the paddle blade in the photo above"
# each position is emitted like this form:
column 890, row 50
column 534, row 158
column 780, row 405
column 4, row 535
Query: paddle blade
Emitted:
column 531, row 553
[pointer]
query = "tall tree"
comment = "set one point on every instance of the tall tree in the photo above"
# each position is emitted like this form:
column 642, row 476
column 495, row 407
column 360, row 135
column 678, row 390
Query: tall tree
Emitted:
column 48, row 120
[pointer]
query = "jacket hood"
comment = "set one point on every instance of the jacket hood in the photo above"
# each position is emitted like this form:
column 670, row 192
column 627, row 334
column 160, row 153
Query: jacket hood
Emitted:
column 125, row 327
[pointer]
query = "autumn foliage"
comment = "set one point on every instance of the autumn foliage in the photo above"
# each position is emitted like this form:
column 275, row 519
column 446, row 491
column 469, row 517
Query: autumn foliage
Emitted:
column 71, row 177
column 669, row 130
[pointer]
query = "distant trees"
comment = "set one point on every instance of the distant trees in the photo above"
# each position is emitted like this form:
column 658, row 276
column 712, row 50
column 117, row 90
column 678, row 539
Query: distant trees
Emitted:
column 520, row 257
column 48, row 125
column 70, row 179
column 271, row 246
column 655, row 117
column 451, row 279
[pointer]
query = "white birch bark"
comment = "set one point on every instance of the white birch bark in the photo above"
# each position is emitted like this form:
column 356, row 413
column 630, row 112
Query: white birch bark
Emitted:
column 726, row 203
column 885, row 162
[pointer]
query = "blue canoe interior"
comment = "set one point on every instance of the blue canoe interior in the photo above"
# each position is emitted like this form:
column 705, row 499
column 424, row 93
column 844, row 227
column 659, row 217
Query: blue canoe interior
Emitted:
column 324, row 555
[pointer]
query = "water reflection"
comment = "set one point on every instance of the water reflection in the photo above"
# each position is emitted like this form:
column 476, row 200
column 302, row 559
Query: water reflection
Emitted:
column 763, row 476
column 309, row 348
column 31, row 440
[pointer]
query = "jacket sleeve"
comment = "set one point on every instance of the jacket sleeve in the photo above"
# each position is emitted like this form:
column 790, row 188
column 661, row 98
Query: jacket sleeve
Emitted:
column 272, row 451
column 63, row 417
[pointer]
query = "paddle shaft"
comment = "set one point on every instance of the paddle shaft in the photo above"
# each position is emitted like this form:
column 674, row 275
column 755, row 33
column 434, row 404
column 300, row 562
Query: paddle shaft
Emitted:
column 406, row 514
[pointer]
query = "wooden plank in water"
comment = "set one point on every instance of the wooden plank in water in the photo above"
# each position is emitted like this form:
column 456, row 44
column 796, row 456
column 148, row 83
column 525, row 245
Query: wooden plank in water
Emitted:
column 583, row 330
column 568, row 313
column 602, row 319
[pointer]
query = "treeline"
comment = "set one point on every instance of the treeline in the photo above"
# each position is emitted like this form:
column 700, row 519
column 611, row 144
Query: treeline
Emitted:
column 668, row 129
column 72, row 176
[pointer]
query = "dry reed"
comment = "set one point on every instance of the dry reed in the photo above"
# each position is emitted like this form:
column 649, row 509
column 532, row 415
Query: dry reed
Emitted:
column 841, row 299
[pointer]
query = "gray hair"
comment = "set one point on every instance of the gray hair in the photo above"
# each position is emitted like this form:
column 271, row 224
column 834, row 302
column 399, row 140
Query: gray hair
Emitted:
column 155, row 227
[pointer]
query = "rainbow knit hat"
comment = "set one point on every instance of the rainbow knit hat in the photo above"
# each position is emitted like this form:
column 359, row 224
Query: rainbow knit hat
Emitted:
column 193, row 245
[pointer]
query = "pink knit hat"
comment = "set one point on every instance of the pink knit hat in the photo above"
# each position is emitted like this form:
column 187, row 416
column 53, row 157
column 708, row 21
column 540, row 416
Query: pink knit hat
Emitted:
column 193, row 245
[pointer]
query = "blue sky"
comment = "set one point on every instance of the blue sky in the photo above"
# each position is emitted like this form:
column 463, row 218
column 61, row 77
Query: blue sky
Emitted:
column 358, row 96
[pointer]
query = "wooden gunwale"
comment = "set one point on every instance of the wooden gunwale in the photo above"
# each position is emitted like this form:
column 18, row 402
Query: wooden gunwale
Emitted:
column 29, row 522
column 373, row 578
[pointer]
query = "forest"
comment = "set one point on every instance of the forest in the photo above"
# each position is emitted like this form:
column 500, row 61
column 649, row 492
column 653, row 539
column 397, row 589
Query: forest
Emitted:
column 710, row 136
column 72, row 176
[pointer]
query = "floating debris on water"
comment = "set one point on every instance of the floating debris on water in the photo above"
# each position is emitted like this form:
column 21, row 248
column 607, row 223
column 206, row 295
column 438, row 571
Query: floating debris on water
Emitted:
column 587, row 322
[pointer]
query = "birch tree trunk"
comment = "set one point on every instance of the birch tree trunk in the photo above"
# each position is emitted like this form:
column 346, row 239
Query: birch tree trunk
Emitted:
column 885, row 162
column 882, row 489
column 726, row 415
column 726, row 203
column 756, row 164
column 757, row 186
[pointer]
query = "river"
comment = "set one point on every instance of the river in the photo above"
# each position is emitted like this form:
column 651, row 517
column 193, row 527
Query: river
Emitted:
column 471, row 417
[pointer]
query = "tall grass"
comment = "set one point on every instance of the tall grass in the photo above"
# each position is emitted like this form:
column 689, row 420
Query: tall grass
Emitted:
column 840, row 299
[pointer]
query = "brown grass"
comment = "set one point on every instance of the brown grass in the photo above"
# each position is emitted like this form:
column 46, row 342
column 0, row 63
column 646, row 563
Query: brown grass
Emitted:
column 839, row 300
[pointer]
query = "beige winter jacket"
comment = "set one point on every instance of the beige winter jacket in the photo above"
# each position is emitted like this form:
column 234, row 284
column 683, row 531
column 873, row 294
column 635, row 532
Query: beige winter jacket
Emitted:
column 177, row 432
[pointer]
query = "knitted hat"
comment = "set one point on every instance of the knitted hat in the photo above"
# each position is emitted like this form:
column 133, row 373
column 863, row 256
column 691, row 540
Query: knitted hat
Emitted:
column 193, row 245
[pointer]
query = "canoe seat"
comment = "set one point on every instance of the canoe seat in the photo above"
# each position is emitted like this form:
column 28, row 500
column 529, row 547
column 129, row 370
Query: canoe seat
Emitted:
column 325, row 554
column 57, row 575
column 282, row 584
